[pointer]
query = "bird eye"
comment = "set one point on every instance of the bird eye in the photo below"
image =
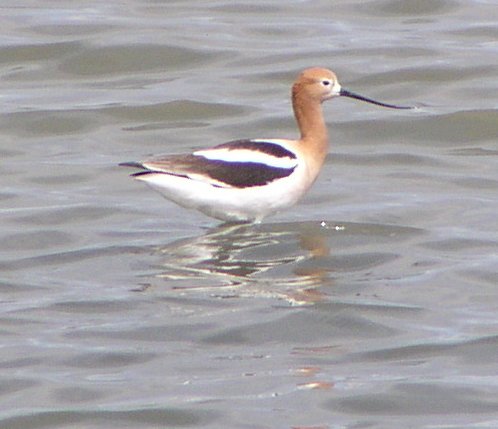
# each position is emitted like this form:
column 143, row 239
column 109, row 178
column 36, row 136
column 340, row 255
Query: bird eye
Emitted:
column 325, row 82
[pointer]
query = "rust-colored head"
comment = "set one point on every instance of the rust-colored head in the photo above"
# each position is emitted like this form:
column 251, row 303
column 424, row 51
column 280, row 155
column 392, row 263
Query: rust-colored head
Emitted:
column 318, row 84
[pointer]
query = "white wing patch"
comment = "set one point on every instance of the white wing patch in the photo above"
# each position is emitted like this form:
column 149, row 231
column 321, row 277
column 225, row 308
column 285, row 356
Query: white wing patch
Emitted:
column 248, row 155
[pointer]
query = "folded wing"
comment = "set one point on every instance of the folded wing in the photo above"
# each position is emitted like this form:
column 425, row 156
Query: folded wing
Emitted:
column 237, row 164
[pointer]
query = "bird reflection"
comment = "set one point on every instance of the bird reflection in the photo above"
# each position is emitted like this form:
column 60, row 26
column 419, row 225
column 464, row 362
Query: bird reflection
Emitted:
column 281, row 260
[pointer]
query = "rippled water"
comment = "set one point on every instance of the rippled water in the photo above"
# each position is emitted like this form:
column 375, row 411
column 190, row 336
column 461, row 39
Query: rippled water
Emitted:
column 371, row 304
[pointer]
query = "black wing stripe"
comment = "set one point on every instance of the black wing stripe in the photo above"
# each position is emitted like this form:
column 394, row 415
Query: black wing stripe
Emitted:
column 245, row 174
column 234, row 174
column 260, row 146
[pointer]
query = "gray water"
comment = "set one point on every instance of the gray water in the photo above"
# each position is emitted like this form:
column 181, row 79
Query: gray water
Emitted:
column 371, row 304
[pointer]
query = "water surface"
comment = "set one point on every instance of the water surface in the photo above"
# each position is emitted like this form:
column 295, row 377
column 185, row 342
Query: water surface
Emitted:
column 372, row 304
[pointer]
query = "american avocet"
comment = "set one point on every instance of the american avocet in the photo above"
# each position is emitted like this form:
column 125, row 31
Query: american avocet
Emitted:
column 246, row 180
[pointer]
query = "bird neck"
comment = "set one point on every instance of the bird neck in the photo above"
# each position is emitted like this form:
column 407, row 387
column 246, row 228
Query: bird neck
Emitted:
column 309, row 117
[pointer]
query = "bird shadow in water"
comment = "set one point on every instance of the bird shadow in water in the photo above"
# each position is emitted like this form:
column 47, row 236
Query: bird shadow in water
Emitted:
column 298, row 261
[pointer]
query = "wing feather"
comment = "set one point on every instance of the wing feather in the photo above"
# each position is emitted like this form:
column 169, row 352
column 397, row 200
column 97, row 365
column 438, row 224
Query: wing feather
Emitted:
column 238, row 164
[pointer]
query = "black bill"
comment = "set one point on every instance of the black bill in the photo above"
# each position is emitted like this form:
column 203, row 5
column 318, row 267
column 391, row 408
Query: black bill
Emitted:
column 346, row 93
